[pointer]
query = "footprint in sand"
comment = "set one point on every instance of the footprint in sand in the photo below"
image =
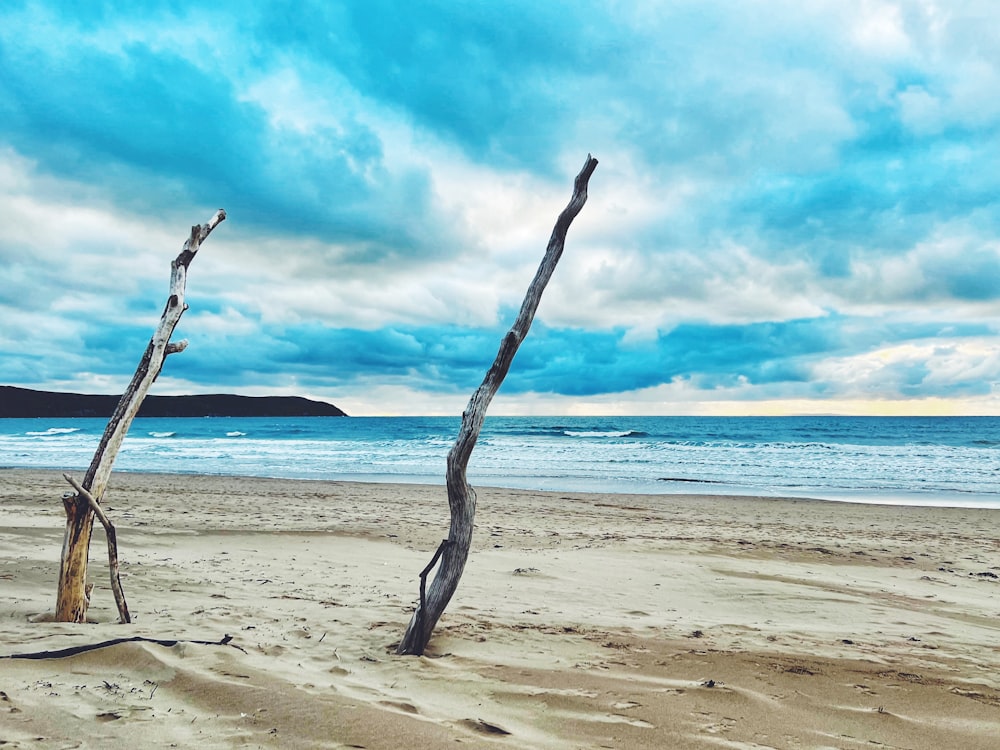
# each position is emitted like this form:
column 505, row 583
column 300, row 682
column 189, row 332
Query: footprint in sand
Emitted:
column 407, row 708
column 625, row 705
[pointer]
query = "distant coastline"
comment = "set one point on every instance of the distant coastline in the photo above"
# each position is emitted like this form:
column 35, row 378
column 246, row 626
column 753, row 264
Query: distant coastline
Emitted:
column 27, row 403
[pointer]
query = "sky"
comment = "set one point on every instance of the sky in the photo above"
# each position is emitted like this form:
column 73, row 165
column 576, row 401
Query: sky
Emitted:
column 796, row 210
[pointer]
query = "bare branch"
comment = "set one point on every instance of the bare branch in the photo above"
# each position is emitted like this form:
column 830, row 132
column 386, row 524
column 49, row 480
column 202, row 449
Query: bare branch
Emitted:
column 112, row 536
column 62, row 653
column 462, row 497
column 71, row 599
column 151, row 363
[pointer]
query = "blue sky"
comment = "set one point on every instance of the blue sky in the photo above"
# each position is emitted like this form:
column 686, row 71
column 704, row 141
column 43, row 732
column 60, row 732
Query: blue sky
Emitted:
column 797, row 208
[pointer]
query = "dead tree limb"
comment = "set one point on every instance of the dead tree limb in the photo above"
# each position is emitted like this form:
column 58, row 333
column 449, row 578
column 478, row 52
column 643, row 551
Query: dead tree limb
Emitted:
column 62, row 653
column 81, row 507
column 454, row 551
column 112, row 536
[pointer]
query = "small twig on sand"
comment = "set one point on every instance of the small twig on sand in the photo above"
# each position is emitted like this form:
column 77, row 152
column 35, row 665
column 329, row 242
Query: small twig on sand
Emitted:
column 62, row 653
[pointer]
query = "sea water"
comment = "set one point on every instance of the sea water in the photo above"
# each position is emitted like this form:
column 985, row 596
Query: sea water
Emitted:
column 953, row 461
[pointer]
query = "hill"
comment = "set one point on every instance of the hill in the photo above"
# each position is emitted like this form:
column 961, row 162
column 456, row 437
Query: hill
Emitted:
column 24, row 402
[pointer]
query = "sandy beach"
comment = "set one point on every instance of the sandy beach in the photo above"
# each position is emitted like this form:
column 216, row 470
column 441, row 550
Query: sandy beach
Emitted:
column 582, row 621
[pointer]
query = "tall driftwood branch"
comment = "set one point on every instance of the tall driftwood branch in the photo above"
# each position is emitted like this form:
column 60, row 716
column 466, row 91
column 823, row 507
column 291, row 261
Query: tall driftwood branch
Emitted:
column 461, row 497
column 71, row 597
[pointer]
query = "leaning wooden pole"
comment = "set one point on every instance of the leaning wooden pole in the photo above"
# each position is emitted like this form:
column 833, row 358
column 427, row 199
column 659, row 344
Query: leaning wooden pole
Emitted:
column 72, row 598
column 454, row 551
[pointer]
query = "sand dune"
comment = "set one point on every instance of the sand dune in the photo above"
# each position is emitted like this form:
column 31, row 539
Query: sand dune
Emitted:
column 583, row 621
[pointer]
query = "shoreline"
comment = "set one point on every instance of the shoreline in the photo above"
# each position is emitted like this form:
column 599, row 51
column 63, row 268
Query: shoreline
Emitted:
column 946, row 462
column 685, row 488
column 582, row 620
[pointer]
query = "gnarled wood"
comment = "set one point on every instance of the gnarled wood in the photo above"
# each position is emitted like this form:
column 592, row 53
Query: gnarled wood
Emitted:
column 454, row 551
column 112, row 537
column 72, row 597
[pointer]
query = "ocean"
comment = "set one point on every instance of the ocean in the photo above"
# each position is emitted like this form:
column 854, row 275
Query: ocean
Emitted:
column 945, row 461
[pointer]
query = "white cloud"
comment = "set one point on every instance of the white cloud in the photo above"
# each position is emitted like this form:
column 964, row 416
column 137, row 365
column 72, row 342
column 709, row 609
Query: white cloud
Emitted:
column 938, row 367
column 746, row 149
column 878, row 28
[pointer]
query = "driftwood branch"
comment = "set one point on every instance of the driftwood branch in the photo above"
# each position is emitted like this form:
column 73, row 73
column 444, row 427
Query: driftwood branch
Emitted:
column 423, row 577
column 149, row 367
column 112, row 536
column 62, row 653
column 462, row 497
column 71, row 598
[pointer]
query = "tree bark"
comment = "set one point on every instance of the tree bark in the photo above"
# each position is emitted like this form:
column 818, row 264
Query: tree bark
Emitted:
column 72, row 598
column 112, row 537
column 454, row 551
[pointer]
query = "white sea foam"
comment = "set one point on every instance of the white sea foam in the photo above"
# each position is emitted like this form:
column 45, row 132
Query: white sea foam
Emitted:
column 599, row 433
column 53, row 431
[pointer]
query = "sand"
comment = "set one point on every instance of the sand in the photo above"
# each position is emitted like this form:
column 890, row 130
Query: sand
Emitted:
column 582, row 621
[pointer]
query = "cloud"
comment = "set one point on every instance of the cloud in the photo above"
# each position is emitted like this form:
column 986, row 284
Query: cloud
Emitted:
column 795, row 204
column 161, row 126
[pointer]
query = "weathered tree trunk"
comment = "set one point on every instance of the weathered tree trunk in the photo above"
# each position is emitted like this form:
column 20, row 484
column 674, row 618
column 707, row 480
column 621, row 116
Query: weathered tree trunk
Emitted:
column 454, row 551
column 73, row 596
